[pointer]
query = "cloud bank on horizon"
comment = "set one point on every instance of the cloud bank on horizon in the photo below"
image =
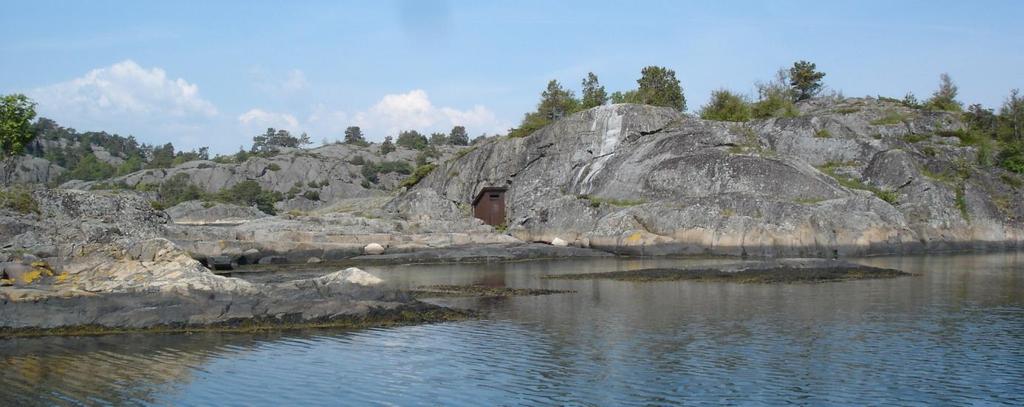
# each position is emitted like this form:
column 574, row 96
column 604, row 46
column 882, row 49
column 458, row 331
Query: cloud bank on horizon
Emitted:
column 128, row 95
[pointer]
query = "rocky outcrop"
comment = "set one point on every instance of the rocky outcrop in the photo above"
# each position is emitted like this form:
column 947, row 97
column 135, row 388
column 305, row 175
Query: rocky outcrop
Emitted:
column 308, row 178
column 212, row 213
column 28, row 170
column 107, row 266
column 858, row 176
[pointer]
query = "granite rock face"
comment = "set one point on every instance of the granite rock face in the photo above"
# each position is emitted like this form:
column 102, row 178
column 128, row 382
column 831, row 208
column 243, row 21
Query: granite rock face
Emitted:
column 311, row 178
column 100, row 259
column 857, row 176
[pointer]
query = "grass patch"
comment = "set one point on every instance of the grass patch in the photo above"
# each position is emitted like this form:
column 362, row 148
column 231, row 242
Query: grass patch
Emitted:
column 596, row 202
column 916, row 138
column 847, row 110
column 1012, row 180
column 421, row 171
column 961, row 202
column 273, row 167
column 823, row 133
column 890, row 118
column 18, row 199
column 886, row 195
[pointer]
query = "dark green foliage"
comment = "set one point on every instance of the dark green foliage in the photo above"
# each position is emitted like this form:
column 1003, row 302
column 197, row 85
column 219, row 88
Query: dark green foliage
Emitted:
column 555, row 103
column 421, row 171
column 162, row 157
column 1012, row 117
column 805, row 80
column 909, row 100
column 400, row 167
column 272, row 139
column 311, row 195
column 16, row 114
column 438, row 139
column 354, row 136
column 370, row 173
column 631, row 96
column 458, row 136
column 89, row 168
column 387, row 146
column 178, row 189
column 18, row 199
column 249, row 193
column 357, row 160
column 727, row 106
column 132, row 164
column 659, row 87
column 593, row 93
column 412, row 140
column 945, row 97
column 1012, row 157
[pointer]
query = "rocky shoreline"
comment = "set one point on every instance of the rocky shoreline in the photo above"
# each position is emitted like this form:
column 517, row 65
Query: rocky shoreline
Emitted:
column 618, row 180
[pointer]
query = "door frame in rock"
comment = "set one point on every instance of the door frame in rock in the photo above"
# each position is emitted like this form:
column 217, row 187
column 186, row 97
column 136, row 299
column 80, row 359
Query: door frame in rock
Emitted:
column 489, row 205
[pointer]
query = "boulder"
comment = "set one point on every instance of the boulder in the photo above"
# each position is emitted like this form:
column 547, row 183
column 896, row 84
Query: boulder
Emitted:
column 314, row 260
column 221, row 263
column 373, row 248
column 558, row 242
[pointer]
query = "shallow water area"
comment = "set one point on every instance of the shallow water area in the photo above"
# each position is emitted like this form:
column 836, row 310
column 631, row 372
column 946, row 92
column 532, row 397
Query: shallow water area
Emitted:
column 952, row 335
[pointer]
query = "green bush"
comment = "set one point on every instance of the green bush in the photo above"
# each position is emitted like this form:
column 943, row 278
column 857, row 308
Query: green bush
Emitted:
column 249, row 193
column 89, row 168
column 178, row 189
column 400, row 167
column 18, row 199
column 823, row 133
column 274, row 167
column 370, row 173
column 891, row 117
column 1012, row 157
column 311, row 195
column 421, row 171
column 727, row 106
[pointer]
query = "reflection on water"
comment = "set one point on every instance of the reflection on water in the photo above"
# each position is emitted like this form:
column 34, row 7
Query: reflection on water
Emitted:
column 953, row 335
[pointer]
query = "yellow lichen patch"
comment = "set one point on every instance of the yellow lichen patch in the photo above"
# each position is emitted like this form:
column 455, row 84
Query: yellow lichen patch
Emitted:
column 6, row 281
column 41, row 264
column 31, row 276
column 635, row 237
column 62, row 277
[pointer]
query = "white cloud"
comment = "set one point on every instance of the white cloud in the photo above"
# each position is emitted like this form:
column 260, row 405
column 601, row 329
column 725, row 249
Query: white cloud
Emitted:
column 391, row 114
column 414, row 110
column 261, row 119
column 124, row 89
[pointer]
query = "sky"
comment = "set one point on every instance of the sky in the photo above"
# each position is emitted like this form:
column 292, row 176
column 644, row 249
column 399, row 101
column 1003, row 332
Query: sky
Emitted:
column 216, row 73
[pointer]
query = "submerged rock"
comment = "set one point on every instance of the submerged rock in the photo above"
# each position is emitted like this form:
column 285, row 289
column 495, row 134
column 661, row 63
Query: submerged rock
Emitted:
column 776, row 271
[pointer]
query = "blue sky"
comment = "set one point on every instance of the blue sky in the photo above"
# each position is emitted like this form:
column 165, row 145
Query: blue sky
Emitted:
column 217, row 72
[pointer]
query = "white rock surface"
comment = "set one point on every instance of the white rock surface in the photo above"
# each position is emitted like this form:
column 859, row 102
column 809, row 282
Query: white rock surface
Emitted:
column 373, row 248
column 351, row 275
column 559, row 242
